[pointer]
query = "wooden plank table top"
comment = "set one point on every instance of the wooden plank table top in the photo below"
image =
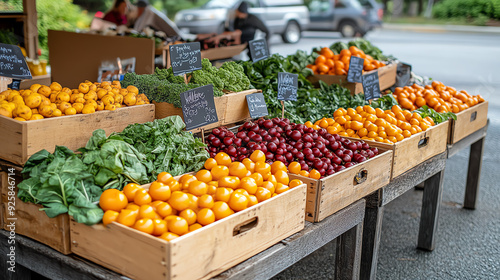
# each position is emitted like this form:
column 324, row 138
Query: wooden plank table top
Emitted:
column 345, row 226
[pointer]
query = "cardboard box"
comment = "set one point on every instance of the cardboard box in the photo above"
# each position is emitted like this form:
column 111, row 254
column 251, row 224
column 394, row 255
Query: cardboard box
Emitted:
column 76, row 57
column 386, row 76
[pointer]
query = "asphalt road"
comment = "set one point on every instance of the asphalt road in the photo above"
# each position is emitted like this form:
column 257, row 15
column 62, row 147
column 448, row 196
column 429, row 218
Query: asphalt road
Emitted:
column 468, row 240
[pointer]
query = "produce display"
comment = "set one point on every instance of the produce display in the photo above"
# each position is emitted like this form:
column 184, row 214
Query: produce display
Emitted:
column 65, row 182
column 437, row 96
column 41, row 102
column 301, row 148
column 329, row 63
column 364, row 45
column 170, row 208
column 163, row 86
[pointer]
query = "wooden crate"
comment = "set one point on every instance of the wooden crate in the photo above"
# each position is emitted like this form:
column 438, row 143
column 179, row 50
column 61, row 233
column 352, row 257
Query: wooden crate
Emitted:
column 197, row 255
column 414, row 150
column 328, row 195
column 231, row 108
column 30, row 221
column 468, row 121
column 20, row 140
column 386, row 76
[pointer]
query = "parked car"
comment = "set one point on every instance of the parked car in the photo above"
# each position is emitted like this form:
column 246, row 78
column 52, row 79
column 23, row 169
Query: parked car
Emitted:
column 285, row 17
column 349, row 17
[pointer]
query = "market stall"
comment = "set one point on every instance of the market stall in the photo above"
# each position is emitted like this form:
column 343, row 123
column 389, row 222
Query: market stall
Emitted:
column 241, row 164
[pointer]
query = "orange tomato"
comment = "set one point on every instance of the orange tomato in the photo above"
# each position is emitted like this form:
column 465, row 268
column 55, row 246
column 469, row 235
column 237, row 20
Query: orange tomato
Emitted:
column 249, row 184
column 314, row 174
column 281, row 188
column 159, row 191
column 144, row 225
column 188, row 215
column 258, row 156
column 147, row 212
column 321, row 59
column 179, row 200
column 219, row 171
column 252, row 200
column 178, row 225
column 163, row 177
column 237, row 169
column 221, row 210
column 173, row 185
column 206, row 216
column 130, row 189
column 164, row 209
column 238, row 201
column 159, row 227
column 294, row 183
column 194, row 227
column 222, row 159
column 169, row 236
column 210, row 163
column 142, row 197
column 327, row 52
column 263, row 168
column 198, row 188
column 282, row 177
column 204, row 175
column 109, row 217
column 278, row 165
column 229, row 182
column 127, row 217
column 113, row 199
column 262, row 194
column 258, row 178
column 222, row 194
column 294, row 167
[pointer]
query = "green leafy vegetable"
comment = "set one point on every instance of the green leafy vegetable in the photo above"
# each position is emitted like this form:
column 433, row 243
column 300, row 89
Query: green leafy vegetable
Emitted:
column 385, row 102
column 435, row 116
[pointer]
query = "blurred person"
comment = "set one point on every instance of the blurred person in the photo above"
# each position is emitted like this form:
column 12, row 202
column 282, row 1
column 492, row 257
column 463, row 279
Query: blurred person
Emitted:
column 148, row 16
column 118, row 13
column 247, row 24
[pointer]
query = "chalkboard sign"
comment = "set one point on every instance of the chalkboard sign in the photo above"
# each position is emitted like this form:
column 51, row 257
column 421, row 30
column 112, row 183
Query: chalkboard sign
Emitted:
column 185, row 58
column 15, row 84
column 403, row 75
column 287, row 86
column 257, row 105
column 198, row 107
column 12, row 63
column 355, row 70
column 258, row 49
column 371, row 86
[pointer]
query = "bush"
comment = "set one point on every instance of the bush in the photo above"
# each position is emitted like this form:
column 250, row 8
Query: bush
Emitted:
column 475, row 10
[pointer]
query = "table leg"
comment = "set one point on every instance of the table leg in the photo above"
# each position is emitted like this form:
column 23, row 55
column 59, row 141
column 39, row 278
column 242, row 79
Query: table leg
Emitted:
column 474, row 174
column 431, row 200
column 19, row 273
column 372, row 229
column 347, row 258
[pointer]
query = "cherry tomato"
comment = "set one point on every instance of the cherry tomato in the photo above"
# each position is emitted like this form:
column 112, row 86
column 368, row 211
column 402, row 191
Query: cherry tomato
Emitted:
column 189, row 215
column 109, row 217
column 204, row 176
column 145, row 225
column 160, row 227
column 163, row 177
column 198, row 188
column 147, row 212
column 169, row 236
column 179, row 200
column 205, row 216
column 113, row 199
column 126, row 217
column 221, row 210
column 238, row 201
column 237, row 169
column 229, row 182
column 159, row 191
column 249, row 184
column 178, row 225
column 130, row 189
column 205, row 201
column 142, row 197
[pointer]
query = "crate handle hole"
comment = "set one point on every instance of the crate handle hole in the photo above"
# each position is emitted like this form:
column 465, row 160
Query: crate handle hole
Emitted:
column 361, row 176
column 473, row 116
column 423, row 142
column 245, row 226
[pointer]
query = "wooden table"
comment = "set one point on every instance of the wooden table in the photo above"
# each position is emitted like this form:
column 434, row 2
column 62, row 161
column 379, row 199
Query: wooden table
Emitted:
column 431, row 173
column 345, row 226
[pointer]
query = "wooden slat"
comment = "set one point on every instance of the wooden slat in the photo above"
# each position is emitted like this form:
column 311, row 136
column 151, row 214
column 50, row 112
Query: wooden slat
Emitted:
column 210, row 250
column 20, row 140
column 33, row 223
column 330, row 194
column 468, row 121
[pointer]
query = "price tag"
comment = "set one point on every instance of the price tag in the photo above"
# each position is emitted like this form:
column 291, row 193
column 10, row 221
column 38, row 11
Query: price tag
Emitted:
column 15, row 84
column 355, row 74
column 287, row 86
column 403, row 75
column 258, row 49
column 198, row 107
column 371, row 86
column 12, row 63
column 257, row 105
column 185, row 58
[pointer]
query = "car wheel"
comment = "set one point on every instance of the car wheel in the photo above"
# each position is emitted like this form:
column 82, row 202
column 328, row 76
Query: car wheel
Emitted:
column 292, row 33
column 348, row 29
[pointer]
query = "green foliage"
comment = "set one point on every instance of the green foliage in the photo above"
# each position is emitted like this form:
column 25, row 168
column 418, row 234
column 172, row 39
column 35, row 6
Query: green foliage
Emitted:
column 366, row 46
column 58, row 15
column 478, row 10
column 435, row 116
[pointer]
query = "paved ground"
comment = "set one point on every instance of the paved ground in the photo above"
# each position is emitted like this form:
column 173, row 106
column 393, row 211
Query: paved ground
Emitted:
column 468, row 241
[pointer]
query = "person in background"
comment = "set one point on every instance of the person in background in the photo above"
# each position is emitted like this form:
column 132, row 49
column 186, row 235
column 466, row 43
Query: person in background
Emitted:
column 118, row 13
column 248, row 24
column 148, row 16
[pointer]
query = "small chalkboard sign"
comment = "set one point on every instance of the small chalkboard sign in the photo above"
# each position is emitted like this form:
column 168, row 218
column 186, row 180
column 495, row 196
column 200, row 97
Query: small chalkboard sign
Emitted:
column 403, row 74
column 198, row 107
column 371, row 86
column 16, row 84
column 258, row 49
column 12, row 63
column 355, row 74
column 287, row 86
column 185, row 58
column 257, row 105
